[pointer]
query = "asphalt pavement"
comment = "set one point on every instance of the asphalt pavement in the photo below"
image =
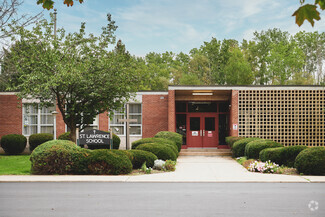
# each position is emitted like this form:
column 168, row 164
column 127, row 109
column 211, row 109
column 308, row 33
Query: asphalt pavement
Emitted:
column 83, row 199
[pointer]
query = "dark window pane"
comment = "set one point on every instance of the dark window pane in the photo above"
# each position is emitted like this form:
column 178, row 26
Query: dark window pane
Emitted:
column 194, row 124
column 181, row 126
column 180, row 106
column 223, row 107
column 202, row 107
column 223, row 128
column 210, row 124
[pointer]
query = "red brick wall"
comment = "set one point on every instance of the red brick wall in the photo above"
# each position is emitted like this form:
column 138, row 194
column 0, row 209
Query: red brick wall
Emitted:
column 171, row 111
column 234, row 113
column 154, row 114
column 10, row 115
column 103, row 121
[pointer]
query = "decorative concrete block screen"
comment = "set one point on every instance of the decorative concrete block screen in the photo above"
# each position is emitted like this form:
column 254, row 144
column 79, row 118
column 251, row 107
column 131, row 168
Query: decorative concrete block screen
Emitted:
column 290, row 117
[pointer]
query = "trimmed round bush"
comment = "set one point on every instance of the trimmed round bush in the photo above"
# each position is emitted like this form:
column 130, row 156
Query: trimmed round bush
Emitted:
column 108, row 162
column 311, row 161
column 59, row 157
column 283, row 155
column 253, row 148
column 64, row 136
column 177, row 138
column 162, row 141
column 37, row 139
column 238, row 148
column 13, row 143
column 161, row 151
column 116, row 144
column 230, row 140
column 138, row 157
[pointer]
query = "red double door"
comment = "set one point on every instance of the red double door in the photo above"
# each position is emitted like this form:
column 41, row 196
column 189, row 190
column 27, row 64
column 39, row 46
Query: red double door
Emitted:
column 202, row 130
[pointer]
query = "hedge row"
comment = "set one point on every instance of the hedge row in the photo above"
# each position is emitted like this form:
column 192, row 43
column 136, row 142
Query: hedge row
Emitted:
column 283, row 155
column 64, row 157
column 238, row 148
column 252, row 149
column 230, row 140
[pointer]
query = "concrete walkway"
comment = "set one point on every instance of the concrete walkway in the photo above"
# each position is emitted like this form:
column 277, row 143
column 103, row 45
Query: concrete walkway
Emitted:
column 189, row 169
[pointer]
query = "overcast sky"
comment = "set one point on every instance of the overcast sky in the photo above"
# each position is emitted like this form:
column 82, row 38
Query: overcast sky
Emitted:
column 178, row 25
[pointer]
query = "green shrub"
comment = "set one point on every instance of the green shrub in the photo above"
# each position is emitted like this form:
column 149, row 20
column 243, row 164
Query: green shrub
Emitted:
column 64, row 136
column 108, row 162
column 13, row 143
column 253, row 148
column 161, row 141
column 283, row 156
column 177, row 138
column 116, row 144
column 161, row 151
column 311, row 161
column 170, row 165
column 58, row 157
column 138, row 157
column 230, row 140
column 37, row 139
column 238, row 148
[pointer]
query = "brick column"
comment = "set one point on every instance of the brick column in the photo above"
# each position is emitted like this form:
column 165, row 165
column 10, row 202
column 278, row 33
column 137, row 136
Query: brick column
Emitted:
column 11, row 114
column 103, row 121
column 234, row 113
column 171, row 111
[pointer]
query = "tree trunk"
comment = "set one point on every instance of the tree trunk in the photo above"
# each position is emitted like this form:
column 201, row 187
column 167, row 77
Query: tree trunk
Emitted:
column 73, row 133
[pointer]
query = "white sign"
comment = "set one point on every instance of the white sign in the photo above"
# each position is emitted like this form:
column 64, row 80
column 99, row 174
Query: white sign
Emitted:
column 195, row 133
column 234, row 126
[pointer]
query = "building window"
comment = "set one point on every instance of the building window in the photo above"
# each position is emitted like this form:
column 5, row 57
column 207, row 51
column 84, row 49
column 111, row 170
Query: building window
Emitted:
column 94, row 125
column 134, row 113
column 37, row 120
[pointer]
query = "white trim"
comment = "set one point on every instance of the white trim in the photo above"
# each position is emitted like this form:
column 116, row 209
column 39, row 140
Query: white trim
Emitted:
column 8, row 93
column 153, row 93
column 246, row 88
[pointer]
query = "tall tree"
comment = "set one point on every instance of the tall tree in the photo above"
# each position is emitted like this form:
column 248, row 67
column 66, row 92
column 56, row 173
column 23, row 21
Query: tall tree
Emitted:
column 76, row 71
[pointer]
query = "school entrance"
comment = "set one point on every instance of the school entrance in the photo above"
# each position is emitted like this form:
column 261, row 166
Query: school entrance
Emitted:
column 203, row 124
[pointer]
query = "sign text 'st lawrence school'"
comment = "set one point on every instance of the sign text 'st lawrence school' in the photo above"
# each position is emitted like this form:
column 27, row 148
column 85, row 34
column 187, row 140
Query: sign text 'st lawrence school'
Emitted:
column 94, row 137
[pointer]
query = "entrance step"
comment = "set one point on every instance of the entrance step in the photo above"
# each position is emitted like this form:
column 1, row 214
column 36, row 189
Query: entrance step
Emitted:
column 205, row 152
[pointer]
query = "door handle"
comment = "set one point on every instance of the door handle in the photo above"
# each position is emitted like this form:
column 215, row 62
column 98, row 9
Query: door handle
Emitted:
column 203, row 132
column 200, row 132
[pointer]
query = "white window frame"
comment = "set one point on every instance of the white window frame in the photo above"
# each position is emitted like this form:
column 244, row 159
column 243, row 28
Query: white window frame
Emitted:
column 124, row 124
column 38, row 125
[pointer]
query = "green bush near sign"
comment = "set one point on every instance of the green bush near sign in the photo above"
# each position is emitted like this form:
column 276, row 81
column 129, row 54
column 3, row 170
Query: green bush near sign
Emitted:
column 283, row 155
column 311, row 161
column 107, row 162
column 139, row 157
column 64, row 136
column 253, row 148
column 58, row 157
column 161, row 141
column 163, row 152
column 13, row 143
column 177, row 138
column 37, row 139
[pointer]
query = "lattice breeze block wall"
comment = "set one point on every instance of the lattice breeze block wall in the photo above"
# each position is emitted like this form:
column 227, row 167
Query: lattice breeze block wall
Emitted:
column 290, row 117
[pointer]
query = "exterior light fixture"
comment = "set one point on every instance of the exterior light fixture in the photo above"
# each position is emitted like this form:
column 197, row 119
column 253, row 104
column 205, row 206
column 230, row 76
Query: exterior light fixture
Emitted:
column 54, row 113
column 202, row 94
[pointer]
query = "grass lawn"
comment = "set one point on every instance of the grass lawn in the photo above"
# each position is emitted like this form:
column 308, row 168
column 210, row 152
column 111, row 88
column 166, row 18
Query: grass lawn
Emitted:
column 14, row 165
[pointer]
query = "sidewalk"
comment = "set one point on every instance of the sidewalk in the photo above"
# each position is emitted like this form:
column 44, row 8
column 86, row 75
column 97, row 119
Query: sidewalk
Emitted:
column 189, row 169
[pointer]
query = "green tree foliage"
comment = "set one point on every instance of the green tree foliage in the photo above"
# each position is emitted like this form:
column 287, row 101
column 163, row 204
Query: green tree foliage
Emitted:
column 238, row 70
column 80, row 73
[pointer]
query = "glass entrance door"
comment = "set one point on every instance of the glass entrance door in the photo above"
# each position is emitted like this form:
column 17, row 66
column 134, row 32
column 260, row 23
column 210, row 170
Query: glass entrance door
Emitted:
column 202, row 130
